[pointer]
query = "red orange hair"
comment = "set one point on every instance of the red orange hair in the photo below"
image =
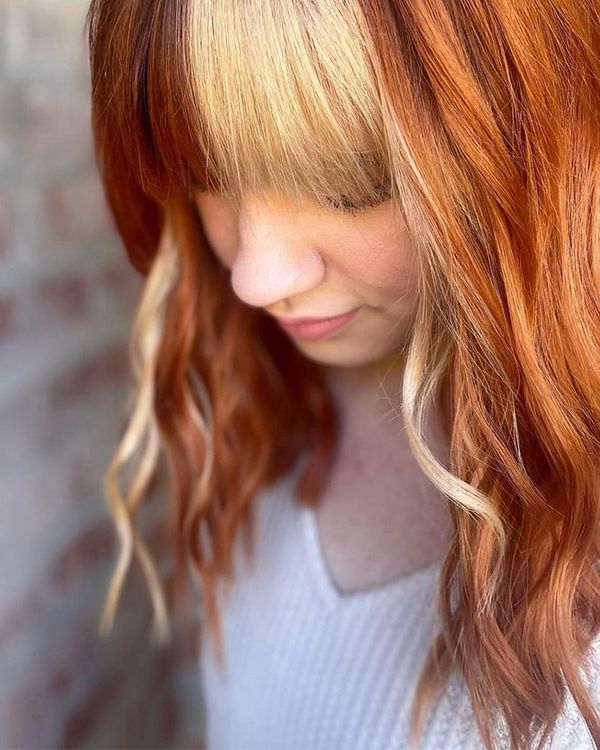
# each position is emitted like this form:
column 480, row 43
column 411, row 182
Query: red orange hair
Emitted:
column 483, row 116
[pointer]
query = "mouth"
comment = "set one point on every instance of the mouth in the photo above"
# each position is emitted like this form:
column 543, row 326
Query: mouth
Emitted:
column 318, row 328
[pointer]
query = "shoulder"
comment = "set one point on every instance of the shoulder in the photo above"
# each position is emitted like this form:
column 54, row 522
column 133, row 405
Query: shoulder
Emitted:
column 571, row 731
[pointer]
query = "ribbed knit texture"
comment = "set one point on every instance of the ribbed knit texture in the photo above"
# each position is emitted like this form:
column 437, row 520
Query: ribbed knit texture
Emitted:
column 310, row 668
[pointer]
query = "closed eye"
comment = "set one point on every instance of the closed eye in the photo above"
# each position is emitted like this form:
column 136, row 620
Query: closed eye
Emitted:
column 340, row 203
column 343, row 204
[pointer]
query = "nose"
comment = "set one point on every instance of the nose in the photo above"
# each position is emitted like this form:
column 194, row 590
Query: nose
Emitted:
column 275, row 261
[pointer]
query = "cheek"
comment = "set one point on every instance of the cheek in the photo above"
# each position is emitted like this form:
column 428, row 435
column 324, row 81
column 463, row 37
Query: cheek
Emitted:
column 219, row 223
column 386, row 266
column 224, row 249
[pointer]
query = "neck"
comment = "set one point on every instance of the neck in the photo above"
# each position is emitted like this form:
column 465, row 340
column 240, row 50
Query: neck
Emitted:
column 369, row 399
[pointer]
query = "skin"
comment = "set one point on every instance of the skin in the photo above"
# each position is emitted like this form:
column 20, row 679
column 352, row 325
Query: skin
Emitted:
column 300, row 260
column 306, row 259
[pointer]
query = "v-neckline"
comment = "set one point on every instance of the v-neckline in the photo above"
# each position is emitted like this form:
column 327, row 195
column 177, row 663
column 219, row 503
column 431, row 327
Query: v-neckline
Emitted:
column 332, row 596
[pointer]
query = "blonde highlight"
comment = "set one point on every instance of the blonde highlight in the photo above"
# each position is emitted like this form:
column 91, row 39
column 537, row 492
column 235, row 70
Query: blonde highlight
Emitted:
column 483, row 118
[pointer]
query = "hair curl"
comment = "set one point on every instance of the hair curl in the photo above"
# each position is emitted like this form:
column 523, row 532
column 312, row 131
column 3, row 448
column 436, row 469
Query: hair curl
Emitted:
column 483, row 118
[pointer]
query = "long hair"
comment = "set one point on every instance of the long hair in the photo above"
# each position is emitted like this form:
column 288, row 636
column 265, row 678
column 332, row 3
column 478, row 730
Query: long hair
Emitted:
column 482, row 119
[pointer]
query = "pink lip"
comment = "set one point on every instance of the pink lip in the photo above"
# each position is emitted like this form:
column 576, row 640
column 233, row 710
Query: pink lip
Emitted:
column 316, row 328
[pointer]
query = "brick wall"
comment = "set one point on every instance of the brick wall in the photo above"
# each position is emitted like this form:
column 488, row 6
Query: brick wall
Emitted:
column 66, row 300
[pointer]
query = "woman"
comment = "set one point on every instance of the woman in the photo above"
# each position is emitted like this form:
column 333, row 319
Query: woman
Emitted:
column 428, row 171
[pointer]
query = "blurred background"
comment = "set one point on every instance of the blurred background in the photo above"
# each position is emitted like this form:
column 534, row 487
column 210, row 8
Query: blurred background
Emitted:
column 67, row 296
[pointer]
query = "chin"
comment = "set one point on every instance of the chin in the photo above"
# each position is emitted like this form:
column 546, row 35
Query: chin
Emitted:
column 338, row 353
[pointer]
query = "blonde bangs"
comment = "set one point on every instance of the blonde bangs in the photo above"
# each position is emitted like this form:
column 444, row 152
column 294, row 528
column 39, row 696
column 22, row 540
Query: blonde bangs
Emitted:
column 287, row 99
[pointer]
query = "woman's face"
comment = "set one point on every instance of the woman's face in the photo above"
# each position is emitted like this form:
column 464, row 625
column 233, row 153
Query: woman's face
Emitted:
column 309, row 260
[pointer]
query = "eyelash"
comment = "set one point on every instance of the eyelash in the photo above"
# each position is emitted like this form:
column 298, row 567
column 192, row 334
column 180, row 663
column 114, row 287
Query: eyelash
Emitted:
column 341, row 203
column 354, row 208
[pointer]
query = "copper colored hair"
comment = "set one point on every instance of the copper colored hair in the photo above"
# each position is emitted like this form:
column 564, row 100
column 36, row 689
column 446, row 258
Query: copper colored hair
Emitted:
column 482, row 117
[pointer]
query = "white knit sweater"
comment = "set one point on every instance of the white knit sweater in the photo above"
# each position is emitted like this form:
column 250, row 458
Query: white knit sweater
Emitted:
column 310, row 668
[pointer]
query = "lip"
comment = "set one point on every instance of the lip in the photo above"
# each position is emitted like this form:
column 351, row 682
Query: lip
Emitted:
column 311, row 329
